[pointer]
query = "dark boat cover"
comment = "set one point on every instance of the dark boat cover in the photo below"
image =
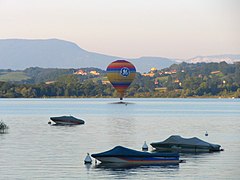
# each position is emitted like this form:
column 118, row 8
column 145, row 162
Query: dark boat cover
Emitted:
column 120, row 151
column 187, row 142
column 67, row 118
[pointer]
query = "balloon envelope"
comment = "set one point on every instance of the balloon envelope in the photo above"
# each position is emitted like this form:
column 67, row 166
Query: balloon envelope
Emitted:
column 121, row 73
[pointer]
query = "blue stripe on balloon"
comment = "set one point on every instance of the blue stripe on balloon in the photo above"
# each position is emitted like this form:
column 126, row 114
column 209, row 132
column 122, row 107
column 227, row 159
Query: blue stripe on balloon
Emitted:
column 121, row 83
column 118, row 69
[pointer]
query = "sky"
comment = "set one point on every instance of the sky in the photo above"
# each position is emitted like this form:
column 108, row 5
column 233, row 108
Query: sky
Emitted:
column 129, row 28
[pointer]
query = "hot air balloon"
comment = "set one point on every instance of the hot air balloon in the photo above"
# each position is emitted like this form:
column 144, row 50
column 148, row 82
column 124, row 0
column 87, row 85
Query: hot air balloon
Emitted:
column 121, row 74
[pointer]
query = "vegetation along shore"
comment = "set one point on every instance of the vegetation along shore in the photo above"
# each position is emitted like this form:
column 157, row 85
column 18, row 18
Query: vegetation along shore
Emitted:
column 177, row 81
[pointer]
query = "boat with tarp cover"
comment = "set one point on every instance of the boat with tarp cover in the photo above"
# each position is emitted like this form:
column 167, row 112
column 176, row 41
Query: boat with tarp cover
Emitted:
column 67, row 120
column 191, row 145
column 120, row 154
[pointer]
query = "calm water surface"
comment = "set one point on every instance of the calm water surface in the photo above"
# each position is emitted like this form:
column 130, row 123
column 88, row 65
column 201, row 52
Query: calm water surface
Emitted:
column 32, row 149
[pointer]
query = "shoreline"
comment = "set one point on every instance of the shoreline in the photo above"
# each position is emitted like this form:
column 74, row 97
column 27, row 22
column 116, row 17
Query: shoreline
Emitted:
column 91, row 97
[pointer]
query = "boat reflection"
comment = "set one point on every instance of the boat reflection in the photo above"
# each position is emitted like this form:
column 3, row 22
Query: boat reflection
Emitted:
column 191, row 157
column 134, row 171
column 124, row 166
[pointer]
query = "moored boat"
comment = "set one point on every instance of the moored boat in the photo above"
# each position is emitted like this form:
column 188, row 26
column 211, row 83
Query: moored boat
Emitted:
column 67, row 120
column 178, row 144
column 121, row 154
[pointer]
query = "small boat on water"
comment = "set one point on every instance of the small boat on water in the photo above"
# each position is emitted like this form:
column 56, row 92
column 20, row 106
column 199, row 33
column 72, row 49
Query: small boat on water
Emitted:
column 121, row 154
column 176, row 143
column 67, row 120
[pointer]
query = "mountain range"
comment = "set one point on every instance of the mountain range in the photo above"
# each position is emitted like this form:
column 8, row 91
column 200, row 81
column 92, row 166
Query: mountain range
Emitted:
column 55, row 53
column 228, row 58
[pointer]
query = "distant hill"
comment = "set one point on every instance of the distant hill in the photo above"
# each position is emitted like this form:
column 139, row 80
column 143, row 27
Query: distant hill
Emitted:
column 13, row 76
column 228, row 58
column 35, row 75
column 51, row 53
column 144, row 64
column 55, row 53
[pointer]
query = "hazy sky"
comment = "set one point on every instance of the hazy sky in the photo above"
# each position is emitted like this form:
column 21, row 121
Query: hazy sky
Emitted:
column 129, row 28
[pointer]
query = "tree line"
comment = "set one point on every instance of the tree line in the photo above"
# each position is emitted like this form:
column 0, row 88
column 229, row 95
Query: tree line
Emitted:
column 178, row 80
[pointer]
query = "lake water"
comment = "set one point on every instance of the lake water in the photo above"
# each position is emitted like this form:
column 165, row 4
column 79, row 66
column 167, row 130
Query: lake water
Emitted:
column 33, row 149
